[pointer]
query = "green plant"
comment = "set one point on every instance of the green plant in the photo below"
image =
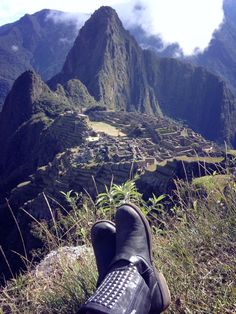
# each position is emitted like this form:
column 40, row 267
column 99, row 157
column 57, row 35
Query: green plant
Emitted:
column 115, row 195
column 156, row 211
column 194, row 244
column 197, row 254
column 71, row 197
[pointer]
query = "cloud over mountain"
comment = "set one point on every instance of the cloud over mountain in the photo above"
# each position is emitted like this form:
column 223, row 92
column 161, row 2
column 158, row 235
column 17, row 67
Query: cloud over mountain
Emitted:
column 190, row 23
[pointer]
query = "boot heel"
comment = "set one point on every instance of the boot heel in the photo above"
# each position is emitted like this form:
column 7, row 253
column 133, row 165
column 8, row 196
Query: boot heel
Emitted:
column 162, row 297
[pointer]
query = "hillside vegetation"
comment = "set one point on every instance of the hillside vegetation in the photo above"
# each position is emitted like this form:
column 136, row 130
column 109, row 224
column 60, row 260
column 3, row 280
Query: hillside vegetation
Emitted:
column 194, row 245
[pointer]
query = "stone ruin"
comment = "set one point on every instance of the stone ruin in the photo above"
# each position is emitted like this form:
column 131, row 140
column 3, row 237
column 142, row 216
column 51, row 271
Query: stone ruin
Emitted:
column 160, row 138
column 90, row 160
column 70, row 129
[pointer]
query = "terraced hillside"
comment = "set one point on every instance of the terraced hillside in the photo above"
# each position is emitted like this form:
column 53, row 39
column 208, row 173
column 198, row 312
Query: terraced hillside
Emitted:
column 142, row 143
column 88, row 159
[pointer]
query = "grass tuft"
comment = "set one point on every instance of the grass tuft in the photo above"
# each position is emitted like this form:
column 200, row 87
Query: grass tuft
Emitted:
column 194, row 245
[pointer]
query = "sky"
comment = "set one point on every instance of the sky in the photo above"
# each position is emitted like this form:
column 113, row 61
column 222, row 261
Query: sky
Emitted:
column 190, row 23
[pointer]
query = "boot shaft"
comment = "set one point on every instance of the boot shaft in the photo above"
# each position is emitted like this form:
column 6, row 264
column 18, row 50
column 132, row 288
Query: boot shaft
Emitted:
column 123, row 291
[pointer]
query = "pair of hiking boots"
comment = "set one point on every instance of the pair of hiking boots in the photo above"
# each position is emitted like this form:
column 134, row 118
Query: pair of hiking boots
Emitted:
column 128, row 281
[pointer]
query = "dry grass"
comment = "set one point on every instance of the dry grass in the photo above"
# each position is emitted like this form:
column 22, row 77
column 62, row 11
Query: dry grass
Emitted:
column 195, row 249
column 232, row 152
column 63, row 291
column 214, row 185
column 197, row 254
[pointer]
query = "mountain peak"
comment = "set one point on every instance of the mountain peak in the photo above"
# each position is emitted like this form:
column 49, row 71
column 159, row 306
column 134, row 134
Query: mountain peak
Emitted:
column 108, row 61
column 105, row 11
column 105, row 19
column 104, row 14
column 18, row 105
column 28, row 86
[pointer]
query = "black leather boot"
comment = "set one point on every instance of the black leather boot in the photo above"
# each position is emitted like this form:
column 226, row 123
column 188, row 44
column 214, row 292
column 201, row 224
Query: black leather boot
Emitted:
column 134, row 245
column 103, row 236
column 144, row 292
column 123, row 291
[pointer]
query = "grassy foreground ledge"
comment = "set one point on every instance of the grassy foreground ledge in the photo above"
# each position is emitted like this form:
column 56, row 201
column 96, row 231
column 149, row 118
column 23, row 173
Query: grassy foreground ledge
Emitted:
column 194, row 246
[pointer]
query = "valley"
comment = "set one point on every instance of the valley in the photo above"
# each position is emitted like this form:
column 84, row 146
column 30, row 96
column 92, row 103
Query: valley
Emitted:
column 97, row 112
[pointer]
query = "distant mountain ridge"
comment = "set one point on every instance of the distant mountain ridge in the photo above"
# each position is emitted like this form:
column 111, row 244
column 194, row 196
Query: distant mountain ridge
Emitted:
column 49, row 41
column 220, row 55
column 106, row 66
column 122, row 76
column 109, row 62
column 49, row 144
column 35, row 42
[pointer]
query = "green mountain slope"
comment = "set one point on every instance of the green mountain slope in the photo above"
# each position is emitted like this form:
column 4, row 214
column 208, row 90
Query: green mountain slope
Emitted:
column 193, row 95
column 34, row 42
column 119, row 74
column 29, row 108
column 109, row 62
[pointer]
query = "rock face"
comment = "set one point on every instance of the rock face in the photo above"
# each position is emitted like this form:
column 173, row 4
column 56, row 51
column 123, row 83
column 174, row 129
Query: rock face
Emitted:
column 109, row 62
column 193, row 95
column 220, row 56
column 55, row 260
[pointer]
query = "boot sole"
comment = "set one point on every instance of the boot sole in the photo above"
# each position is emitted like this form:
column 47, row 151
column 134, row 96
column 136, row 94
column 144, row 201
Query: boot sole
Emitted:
column 161, row 286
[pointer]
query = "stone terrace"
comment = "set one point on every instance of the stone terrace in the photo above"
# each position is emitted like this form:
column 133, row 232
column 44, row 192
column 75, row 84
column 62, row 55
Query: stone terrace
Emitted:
column 90, row 160
column 158, row 138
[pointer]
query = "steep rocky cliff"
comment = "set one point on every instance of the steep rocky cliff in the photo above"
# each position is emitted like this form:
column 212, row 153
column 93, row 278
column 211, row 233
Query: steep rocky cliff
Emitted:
column 220, row 55
column 109, row 62
column 117, row 73
column 193, row 95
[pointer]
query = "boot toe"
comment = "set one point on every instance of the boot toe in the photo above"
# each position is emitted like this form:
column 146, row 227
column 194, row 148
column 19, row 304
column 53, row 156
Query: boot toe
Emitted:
column 103, row 236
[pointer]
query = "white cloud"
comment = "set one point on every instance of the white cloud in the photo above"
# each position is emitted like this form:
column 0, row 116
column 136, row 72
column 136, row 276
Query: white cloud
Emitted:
column 13, row 9
column 191, row 23
column 14, row 48
column 77, row 19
